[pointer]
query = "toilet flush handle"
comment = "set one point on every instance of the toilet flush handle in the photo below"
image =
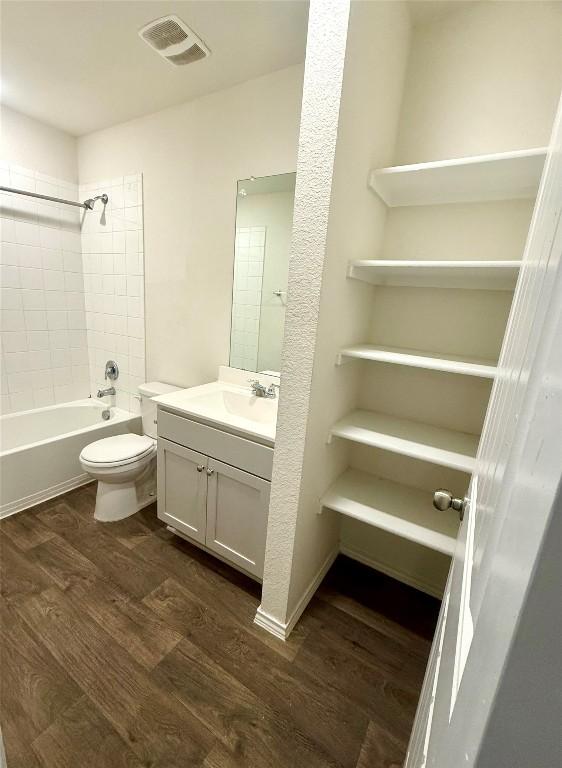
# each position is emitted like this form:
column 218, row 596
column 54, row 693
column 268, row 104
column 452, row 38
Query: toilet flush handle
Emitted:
column 200, row 467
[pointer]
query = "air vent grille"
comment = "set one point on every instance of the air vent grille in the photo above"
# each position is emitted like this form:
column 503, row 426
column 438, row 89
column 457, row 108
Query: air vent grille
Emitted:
column 174, row 41
column 187, row 57
column 164, row 34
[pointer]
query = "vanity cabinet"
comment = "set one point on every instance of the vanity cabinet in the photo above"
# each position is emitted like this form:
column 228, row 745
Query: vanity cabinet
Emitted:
column 182, row 489
column 237, row 509
column 218, row 505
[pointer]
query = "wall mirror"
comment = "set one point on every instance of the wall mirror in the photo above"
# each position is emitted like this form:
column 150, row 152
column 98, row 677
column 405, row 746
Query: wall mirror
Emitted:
column 264, row 219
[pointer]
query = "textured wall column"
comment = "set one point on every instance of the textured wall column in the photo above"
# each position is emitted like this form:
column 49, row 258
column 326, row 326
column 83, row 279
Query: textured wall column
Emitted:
column 326, row 44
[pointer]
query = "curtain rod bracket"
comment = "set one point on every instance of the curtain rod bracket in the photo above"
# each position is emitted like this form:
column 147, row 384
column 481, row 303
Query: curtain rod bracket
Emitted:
column 87, row 204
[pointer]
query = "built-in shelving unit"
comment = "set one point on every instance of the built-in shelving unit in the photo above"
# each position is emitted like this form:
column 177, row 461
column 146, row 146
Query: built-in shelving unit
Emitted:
column 399, row 509
column 436, row 445
column 480, row 275
column 432, row 361
column 501, row 176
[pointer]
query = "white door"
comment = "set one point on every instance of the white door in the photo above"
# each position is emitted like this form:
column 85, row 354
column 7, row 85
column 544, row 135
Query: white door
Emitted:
column 237, row 510
column 182, row 488
column 510, row 502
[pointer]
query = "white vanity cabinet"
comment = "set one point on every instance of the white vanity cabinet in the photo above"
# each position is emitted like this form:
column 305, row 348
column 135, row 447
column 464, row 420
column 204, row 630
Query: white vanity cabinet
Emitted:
column 208, row 492
column 182, row 489
column 237, row 508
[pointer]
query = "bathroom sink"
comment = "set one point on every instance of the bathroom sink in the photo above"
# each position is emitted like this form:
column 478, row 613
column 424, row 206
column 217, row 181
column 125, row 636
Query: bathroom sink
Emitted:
column 227, row 403
column 226, row 406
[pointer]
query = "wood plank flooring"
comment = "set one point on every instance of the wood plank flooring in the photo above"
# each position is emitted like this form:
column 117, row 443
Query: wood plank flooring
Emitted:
column 123, row 646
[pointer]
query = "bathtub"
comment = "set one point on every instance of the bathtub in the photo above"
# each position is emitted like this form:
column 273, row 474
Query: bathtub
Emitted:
column 39, row 449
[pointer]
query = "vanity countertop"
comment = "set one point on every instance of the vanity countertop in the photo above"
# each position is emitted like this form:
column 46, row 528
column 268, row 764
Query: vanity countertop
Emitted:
column 227, row 406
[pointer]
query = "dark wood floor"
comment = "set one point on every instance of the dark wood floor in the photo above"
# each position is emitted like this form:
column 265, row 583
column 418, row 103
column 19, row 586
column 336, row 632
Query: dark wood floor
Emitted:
column 123, row 646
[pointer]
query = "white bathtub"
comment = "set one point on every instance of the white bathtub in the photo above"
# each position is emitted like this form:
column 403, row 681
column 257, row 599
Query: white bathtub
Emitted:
column 39, row 449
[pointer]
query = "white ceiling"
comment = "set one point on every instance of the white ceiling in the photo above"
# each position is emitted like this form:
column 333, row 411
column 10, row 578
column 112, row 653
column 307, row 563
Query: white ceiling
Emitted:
column 81, row 66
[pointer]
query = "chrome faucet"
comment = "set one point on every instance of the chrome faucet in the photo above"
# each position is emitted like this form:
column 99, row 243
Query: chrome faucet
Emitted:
column 260, row 390
column 111, row 373
column 104, row 392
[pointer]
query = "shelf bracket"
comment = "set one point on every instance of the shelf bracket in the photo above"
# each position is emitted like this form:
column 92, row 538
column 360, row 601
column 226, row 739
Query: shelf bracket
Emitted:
column 342, row 359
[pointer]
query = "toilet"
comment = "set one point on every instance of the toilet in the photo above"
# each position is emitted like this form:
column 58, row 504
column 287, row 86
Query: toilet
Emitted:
column 125, row 465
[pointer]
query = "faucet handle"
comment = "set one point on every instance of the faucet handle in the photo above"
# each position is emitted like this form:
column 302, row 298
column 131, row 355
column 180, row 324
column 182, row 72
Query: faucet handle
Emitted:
column 111, row 370
column 271, row 390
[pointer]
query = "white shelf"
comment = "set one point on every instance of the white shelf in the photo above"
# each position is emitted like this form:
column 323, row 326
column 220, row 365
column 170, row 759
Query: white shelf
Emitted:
column 416, row 359
column 487, row 275
column 398, row 509
column 501, row 176
column 436, row 445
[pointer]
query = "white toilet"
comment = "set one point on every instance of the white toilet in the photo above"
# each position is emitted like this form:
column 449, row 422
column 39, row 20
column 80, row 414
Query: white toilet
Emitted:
column 125, row 465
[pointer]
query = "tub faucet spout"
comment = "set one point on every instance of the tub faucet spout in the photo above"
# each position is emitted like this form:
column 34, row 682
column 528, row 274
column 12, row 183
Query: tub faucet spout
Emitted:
column 104, row 392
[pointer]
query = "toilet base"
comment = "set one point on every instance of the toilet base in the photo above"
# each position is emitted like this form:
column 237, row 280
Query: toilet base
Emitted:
column 115, row 501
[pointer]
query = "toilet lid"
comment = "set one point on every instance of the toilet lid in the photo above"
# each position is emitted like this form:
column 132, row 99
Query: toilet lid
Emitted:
column 117, row 449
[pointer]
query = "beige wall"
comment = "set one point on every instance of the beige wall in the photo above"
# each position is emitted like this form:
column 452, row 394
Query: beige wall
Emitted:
column 191, row 157
column 375, row 65
column 326, row 311
column 467, row 75
column 484, row 78
column 327, row 34
column 37, row 146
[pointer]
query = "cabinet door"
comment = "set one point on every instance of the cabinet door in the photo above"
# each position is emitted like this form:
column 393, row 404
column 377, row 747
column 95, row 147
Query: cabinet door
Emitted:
column 182, row 488
column 237, row 509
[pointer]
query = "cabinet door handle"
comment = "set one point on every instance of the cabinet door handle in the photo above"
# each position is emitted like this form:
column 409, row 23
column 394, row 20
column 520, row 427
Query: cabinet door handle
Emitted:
column 210, row 472
column 200, row 467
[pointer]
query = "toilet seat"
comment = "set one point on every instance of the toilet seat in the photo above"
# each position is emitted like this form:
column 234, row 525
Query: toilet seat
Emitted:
column 117, row 451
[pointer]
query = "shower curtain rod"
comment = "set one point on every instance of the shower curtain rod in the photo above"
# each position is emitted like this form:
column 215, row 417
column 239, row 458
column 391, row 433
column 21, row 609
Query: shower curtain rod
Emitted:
column 87, row 204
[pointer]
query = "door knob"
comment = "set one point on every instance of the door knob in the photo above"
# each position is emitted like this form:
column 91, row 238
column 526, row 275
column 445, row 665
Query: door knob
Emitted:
column 200, row 467
column 210, row 471
column 444, row 499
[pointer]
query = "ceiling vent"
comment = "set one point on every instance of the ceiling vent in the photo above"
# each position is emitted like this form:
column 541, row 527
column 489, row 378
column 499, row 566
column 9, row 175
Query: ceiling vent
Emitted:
column 174, row 41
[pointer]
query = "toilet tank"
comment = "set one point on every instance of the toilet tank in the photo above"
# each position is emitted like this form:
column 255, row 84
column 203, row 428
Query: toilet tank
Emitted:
column 148, row 407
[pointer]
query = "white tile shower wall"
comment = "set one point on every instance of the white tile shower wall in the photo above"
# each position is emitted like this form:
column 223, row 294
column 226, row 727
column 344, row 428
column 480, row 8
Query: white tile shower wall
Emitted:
column 43, row 323
column 249, row 253
column 112, row 248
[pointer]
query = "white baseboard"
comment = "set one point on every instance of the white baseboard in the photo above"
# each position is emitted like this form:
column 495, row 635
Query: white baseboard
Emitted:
column 48, row 493
column 283, row 630
column 270, row 624
column 311, row 589
column 406, row 578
